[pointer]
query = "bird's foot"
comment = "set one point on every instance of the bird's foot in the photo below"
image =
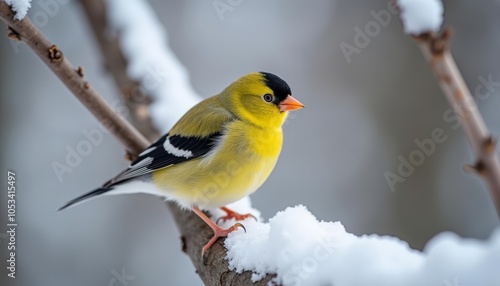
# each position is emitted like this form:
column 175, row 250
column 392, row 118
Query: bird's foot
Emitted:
column 219, row 232
column 230, row 214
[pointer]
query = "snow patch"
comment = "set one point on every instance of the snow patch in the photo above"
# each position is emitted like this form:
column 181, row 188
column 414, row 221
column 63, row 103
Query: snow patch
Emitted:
column 20, row 7
column 151, row 61
column 421, row 16
column 304, row 251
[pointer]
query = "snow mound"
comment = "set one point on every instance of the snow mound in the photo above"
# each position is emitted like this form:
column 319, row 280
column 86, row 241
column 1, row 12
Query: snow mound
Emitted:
column 304, row 251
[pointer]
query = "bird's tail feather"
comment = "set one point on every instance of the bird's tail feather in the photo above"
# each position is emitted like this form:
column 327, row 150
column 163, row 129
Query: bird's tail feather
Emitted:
column 131, row 187
column 85, row 197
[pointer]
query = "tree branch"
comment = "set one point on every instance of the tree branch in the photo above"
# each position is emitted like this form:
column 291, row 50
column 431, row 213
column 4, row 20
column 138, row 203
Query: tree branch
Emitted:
column 194, row 235
column 53, row 57
column 194, row 232
column 436, row 50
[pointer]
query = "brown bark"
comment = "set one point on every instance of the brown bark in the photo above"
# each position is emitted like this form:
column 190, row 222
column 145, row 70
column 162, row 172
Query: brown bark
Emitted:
column 194, row 235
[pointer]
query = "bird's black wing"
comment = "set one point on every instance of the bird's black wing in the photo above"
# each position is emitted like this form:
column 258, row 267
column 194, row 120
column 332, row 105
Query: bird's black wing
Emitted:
column 165, row 152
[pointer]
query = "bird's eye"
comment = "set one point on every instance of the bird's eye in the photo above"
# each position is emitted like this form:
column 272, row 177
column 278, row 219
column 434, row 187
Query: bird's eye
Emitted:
column 268, row 97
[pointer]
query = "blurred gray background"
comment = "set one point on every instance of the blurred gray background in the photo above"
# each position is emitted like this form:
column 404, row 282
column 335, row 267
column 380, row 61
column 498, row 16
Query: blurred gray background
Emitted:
column 359, row 117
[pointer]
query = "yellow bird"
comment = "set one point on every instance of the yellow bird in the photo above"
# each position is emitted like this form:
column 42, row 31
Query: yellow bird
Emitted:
column 220, row 151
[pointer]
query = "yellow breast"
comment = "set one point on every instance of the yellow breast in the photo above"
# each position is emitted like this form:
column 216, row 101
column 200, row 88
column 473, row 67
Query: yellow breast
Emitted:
column 238, row 166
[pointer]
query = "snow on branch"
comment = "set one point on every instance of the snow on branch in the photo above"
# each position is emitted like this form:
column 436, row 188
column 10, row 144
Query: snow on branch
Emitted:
column 20, row 7
column 136, row 98
column 436, row 50
column 304, row 251
column 144, row 43
column 421, row 16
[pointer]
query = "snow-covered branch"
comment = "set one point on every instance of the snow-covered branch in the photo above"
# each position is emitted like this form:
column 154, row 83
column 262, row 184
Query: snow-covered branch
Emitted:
column 302, row 250
column 54, row 58
column 215, row 270
column 133, row 94
column 422, row 20
column 19, row 7
column 144, row 43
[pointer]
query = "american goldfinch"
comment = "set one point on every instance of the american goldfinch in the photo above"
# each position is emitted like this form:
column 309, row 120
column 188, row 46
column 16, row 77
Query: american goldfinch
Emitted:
column 220, row 151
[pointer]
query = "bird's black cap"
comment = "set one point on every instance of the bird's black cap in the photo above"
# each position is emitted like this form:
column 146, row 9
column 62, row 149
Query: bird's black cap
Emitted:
column 279, row 86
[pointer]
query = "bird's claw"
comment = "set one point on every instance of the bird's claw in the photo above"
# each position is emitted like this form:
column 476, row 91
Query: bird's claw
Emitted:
column 236, row 225
column 235, row 216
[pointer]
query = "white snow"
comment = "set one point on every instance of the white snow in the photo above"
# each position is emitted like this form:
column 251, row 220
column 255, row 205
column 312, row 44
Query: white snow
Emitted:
column 421, row 16
column 20, row 7
column 304, row 251
column 144, row 42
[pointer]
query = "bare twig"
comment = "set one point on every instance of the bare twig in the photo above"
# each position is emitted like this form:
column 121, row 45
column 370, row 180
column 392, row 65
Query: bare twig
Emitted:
column 436, row 50
column 53, row 57
column 194, row 232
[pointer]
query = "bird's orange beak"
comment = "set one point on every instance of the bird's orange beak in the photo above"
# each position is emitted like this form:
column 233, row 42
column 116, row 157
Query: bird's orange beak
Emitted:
column 290, row 104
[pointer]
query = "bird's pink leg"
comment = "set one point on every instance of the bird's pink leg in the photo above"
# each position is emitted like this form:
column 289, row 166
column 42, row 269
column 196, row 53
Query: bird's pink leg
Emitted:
column 218, row 231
